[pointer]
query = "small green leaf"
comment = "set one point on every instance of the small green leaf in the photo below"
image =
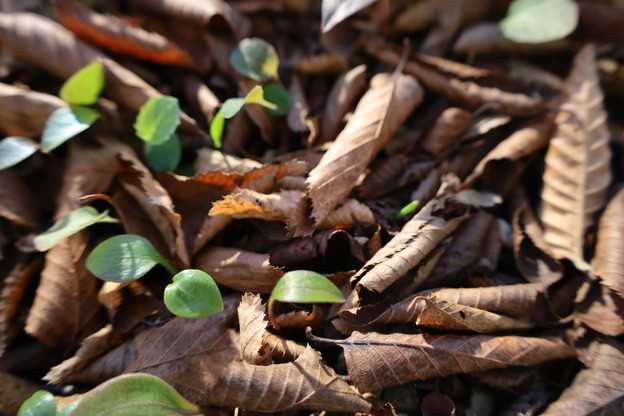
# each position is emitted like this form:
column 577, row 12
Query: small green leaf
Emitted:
column 85, row 86
column 255, row 58
column 537, row 21
column 217, row 125
column 193, row 294
column 256, row 96
column 158, row 119
column 164, row 157
column 70, row 224
column 64, row 124
column 231, row 107
column 304, row 286
column 134, row 395
column 124, row 258
column 408, row 209
column 278, row 95
column 14, row 150
column 41, row 403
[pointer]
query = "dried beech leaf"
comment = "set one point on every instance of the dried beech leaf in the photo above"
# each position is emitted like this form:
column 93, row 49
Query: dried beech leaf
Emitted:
column 600, row 308
column 376, row 361
column 608, row 262
column 24, row 112
column 17, row 201
column 257, row 345
column 596, row 390
column 577, row 172
column 379, row 114
column 209, row 160
column 112, row 33
column 447, row 131
column 348, row 214
column 239, row 269
column 383, row 176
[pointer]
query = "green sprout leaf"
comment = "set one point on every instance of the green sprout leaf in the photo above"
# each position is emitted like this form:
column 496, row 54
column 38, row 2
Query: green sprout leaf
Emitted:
column 164, row 157
column 41, row 403
column 134, row 395
column 124, row 258
column 193, row 294
column 256, row 96
column 277, row 95
column 217, row 126
column 70, row 224
column 158, row 119
column 408, row 209
column 255, row 58
column 85, row 86
column 231, row 107
column 304, row 286
column 537, row 21
column 64, row 124
column 14, row 150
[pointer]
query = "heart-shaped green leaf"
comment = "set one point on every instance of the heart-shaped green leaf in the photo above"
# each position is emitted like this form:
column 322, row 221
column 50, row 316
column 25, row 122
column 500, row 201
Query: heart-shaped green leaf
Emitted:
column 85, row 86
column 134, row 395
column 193, row 294
column 158, row 119
column 64, row 124
column 14, row 150
column 217, row 126
column 256, row 96
column 537, row 21
column 164, row 157
column 277, row 95
column 41, row 403
column 124, row 258
column 304, row 286
column 231, row 107
column 70, row 224
column 255, row 58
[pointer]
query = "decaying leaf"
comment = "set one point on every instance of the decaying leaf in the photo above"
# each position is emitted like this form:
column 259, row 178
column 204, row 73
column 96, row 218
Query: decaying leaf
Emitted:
column 379, row 114
column 25, row 112
column 377, row 360
column 577, row 171
column 258, row 346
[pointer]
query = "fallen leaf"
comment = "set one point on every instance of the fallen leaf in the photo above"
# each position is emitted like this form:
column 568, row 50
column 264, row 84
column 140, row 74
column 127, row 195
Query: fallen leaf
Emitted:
column 25, row 112
column 447, row 132
column 577, row 172
column 600, row 308
column 372, row 125
column 335, row 11
column 17, row 201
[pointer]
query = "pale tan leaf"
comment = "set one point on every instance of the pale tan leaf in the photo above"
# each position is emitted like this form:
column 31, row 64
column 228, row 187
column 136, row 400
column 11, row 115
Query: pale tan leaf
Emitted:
column 258, row 346
column 239, row 269
column 348, row 214
column 577, row 172
column 379, row 114
column 24, row 112
column 17, row 201
column 376, row 361
column 608, row 263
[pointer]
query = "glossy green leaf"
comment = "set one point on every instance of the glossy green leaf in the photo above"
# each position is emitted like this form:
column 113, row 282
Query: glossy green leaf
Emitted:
column 134, row 395
column 231, row 107
column 255, row 58
column 158, row 119
column 14, row 150
column 41, row 403
column 164, row 157
column 256, row 96
column 537, row 21
column 277, row 95
column 70, row 224
column 85, row 86
column 304, row 286
column 408, row 209
column 193, row 294
column 124, row 258
column 217, row 126
column 64, row 124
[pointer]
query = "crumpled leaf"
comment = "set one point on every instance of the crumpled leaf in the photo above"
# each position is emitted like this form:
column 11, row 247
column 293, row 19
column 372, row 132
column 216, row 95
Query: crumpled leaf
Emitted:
column 577, row 172
column 25, row 112
column 259, row 346
column 596, row 390
column 376, row 361
column 379, row 114
column 335, row 11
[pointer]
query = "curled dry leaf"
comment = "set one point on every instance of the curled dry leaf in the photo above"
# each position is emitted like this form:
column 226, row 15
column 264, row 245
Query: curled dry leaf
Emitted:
column 596, row 390
column 342, row 96
column 447, row 131
column 258, row 346
column 17, row 201
column 239, row 269
column 577, row 172
column 24, row 112
column 209, row 160
column 348, row 214
column 118, row 36
column 376, row 361
column 379, row 114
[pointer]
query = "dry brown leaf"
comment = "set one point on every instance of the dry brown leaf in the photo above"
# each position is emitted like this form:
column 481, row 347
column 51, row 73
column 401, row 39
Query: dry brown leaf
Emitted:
column 600, row 308
column 468, row 92
column 13, row 392
column 201, row 98
column 376, row 361
column 418, row 16
column 24, row 112
column 577, row 172
column 342, row 96
column 447, row 131
column 379, row 114
column 258, row 346
column 17, row 201
column 347, row 215
column 209, row 160
column 596, row 390
column 239, row 269
column 383, row 176
column 299, row 119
